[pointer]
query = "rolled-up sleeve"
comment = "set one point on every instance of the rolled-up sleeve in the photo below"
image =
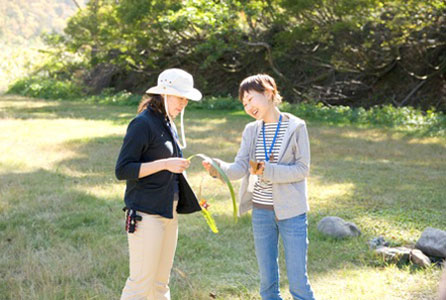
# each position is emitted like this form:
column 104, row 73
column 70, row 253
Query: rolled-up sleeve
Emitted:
column 135, row 143
column 297, row 171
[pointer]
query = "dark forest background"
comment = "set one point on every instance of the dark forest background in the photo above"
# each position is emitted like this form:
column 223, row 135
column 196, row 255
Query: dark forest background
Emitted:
column 358, row 53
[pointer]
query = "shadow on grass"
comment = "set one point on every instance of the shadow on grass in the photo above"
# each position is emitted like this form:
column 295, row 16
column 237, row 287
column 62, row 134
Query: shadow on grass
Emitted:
column 53, row 219
column 55, row 234
column 51, row 209
column 391, row 180
column 390, row 186
column 395, row 176
column 19, row 107
column 30, row 108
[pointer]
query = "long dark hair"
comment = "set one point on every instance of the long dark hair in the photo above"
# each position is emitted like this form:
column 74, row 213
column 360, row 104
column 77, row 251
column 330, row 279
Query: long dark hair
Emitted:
column 155, row 101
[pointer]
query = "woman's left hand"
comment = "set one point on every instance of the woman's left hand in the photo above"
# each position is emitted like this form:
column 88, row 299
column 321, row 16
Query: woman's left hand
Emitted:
column 260, row 168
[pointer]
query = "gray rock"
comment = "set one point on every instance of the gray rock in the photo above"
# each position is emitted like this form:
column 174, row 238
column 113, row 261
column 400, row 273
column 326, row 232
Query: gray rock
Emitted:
column 432, row 242
column 418, row 258
column 377, row 242
column 337, row 227
column 394, row 255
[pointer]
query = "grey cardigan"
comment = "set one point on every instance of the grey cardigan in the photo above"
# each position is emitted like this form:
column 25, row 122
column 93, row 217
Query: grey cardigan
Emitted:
column 289, row 175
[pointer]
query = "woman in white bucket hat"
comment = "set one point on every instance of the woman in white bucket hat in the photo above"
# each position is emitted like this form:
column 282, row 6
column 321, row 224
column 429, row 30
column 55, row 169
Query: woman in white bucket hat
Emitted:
column 151, row 162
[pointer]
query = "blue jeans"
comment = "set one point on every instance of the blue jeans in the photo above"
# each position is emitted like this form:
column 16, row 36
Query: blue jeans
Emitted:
column 266, row 229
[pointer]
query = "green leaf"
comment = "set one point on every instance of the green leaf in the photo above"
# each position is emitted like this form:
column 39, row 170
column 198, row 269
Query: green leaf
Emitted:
column 224, row 178
column 208, row 217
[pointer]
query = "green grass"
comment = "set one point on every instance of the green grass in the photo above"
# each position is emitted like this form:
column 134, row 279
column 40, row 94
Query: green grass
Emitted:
column 61, row 224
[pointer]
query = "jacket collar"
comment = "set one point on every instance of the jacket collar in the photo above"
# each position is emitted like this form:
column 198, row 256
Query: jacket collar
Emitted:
column 293, row 123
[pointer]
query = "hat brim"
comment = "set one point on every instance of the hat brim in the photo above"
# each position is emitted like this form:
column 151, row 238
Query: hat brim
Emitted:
column 193, row 94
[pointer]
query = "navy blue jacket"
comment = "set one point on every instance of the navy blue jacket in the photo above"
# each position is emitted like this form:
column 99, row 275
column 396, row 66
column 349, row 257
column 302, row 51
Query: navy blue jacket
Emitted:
column 149, row 138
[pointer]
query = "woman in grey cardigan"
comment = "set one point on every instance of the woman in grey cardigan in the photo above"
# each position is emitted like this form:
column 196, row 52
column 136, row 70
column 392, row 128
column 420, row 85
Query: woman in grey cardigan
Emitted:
column 273, row 162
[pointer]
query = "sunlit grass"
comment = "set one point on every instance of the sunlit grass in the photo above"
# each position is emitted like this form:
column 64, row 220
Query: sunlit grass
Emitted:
column 61, row 224
column 351, row 282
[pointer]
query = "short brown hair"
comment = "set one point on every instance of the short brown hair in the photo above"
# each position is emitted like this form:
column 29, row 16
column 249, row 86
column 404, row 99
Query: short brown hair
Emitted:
column 259, row 83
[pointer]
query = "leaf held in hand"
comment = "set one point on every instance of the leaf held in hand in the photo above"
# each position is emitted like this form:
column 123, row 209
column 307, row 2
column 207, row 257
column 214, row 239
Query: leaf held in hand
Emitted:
column 223, row 177
column 209, row 220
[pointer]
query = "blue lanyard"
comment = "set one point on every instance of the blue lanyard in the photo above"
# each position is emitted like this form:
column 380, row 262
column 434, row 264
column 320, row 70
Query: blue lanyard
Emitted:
column 268, row 153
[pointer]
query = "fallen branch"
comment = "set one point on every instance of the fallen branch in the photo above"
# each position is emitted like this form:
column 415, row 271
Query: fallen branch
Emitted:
column 270, row 57
column 413, row 91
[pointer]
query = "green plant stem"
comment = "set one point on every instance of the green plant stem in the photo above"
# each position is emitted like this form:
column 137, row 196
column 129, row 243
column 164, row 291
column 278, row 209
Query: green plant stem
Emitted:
column 225, row 179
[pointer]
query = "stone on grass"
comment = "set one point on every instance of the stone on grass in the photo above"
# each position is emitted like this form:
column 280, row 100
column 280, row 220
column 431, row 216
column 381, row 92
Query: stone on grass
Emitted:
column 432, row 242
column 337, row 227
column 394, row 255
column 378, row 242
column 417, row 257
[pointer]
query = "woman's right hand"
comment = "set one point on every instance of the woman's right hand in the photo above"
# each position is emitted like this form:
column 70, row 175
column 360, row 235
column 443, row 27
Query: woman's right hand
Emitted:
column 211, row 170
column 176, row 164
column 207, row 165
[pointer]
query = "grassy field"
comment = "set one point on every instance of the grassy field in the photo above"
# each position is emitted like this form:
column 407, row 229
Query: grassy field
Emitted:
column 61, row 224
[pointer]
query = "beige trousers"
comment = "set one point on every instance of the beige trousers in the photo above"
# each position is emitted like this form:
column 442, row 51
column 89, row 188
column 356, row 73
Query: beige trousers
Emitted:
column 151, row 251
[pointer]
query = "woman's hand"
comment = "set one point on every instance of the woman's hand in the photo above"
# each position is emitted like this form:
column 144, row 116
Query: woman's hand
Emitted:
column 211, row 170
column 207, row 165
column 176, row 164
column 256, row 168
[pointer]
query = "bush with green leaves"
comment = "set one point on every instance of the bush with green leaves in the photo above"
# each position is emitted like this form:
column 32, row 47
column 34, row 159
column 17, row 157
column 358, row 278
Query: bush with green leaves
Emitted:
column 218, row 103
column 109, row 96
column 430, row 122
column 46, row 88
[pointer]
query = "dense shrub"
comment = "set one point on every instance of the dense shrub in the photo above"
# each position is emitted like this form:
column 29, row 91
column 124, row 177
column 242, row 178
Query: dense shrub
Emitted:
column 429, row 122
column 46, row 88
column 355, row 53
column 225, row 103
column 108, row 96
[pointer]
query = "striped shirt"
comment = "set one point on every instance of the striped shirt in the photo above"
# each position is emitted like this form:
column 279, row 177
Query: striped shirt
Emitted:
column 263, row 190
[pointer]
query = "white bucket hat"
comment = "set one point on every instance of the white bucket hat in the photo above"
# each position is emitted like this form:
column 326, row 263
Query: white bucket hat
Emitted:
column 176, row 82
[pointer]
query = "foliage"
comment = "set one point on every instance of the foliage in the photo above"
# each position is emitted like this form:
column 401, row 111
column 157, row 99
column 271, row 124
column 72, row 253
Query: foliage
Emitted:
column 356, row 53
column 46, row 88
column 430, row 122
column 139, row 38
column 18, row 62
column 111, row 97
column 217, row 103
